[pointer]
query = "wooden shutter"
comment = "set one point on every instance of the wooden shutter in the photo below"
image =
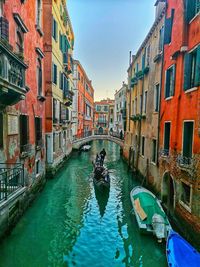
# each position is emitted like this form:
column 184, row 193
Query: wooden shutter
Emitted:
column 166, row 84
column 197, row 70
column 173, row 79
column 167, row 34
column 187, row 139
column 190, row 10
column 187, row 71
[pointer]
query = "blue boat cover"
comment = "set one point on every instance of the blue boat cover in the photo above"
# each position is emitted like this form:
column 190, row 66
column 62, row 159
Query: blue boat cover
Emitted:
column 180, row 253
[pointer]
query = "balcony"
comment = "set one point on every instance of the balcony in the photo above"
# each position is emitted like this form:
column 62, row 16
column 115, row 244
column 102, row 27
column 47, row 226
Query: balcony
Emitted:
column 185, row 163
column 12, row 70
column 68, row 97
column 11, row 179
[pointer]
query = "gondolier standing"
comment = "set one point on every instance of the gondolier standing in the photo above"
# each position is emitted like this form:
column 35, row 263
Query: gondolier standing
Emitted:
column 102, row 155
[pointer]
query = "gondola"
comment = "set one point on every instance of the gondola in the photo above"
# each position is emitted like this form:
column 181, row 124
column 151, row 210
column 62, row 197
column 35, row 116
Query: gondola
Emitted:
column 101, row 177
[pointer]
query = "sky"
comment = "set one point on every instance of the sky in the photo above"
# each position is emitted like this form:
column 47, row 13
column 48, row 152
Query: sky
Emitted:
column 105, row 32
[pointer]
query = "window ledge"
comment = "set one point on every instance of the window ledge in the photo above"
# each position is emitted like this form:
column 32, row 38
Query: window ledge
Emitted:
column 185, row 206
column 153, row 163
column 194, row 17
column 41, row 98
column 155, row 112
column 142, row 156
column 38, row 28
column 168, row 98
column 191, row 90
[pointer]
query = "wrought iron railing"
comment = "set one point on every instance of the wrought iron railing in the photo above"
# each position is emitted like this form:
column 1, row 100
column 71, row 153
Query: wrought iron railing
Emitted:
column 164, row 152
column 11, row 179
column 184, row 162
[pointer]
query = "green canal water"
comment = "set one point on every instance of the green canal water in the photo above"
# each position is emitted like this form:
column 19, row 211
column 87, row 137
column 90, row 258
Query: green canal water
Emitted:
column 70, row 224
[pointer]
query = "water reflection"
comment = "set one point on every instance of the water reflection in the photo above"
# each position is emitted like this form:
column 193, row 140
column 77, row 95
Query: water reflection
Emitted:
column 73, row 224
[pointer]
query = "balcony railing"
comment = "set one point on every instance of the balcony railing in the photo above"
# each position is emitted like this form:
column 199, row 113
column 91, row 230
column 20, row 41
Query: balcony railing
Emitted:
column 185, row 162
column 164, row 152
column 11, row 179
column 12, row 70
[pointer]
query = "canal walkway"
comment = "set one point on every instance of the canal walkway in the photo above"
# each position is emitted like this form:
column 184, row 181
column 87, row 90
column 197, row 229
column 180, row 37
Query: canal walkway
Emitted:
column 70, row 224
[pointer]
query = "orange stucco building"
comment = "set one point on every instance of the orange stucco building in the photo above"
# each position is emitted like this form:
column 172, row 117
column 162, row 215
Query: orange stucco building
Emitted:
column 179, row 162
column 84, row 101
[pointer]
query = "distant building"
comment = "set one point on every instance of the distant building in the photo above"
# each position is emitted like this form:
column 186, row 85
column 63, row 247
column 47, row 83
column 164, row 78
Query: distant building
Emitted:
column 83, row 103
column 120, row 109
column 103, row 116
column 58, row 49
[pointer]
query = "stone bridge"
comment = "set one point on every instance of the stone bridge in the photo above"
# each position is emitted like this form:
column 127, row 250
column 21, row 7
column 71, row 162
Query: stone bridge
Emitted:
column 82, row 141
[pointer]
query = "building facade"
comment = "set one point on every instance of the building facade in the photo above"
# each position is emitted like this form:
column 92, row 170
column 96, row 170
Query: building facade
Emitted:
column 180, row 115
column 58, row 80
column 83, row 102
column 103, row 116
column 144, row 80
column 120, row 110
column 22, row 112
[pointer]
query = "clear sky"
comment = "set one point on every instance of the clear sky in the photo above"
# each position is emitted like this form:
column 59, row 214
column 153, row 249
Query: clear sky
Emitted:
column 105, row 31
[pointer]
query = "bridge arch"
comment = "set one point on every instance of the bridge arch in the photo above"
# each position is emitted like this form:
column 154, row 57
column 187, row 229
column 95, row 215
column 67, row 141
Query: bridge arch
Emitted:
column 80, row 142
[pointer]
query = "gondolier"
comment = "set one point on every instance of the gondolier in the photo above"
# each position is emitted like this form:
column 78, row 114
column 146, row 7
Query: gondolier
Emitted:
column 102, row 155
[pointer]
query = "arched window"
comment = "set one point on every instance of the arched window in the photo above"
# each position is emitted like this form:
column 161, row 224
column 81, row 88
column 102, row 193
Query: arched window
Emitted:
column 39, row 76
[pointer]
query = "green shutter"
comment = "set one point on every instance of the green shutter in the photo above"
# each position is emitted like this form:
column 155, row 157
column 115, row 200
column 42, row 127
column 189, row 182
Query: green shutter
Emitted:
column 167, row 33
column 190, row 10
column 197, row 70
column 173, row 79
column 187, row 71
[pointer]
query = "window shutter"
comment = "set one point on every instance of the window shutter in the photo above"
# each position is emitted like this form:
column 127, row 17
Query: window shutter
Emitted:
column 166, row 84
column 167, row 34
column 173, row 79
column 197, row 70
column 190, row 10
column 187, row 71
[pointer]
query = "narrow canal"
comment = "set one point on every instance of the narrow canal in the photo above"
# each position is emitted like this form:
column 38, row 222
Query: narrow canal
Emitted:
column 72, row 225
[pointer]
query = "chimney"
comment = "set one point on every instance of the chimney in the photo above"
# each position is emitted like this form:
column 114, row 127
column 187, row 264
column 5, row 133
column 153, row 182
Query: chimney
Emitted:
column 130, row 58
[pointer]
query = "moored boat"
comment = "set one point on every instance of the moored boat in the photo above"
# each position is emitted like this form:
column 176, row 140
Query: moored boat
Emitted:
column 149, row 213
column 86, row 148
column 180, row 253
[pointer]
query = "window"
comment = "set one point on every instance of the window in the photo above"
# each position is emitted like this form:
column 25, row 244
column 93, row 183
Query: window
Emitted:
column 54, row 74
column 38, row 131
column 39, row 13
column 148, row 54
column 60, row 140
column 168, row 28
column 56, row 111
column 1, row 130
column 186, row 194
column 141, row 100
column 24, row 132
column 145, row 102
column 79, row 76
column 111, row 111
column 54, row 142
column 39, row 76
column 98, row 108
column 37, row 166
column 135, row 106
column 105, row 108
column 192, row 69
column 54, row 29
column 142, row 144
column 187, row 141
column 167, row 138
column 170, row 81
column 20, row 41
column 144, row 59
column 156, row 97
column 161, row 39
column 154, row 151
column 192, row 8
column 111, row 120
